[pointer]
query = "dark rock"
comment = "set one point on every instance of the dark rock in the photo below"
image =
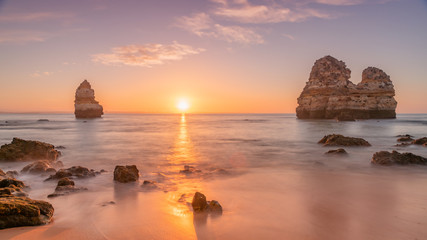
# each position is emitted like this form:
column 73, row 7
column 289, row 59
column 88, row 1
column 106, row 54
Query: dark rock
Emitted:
column 404, row 135
column 65, row 182
column 12, row 174
column 390, row 158
column 75, row 172
column 214, row 206
column 23, row 150
column 199, row 202
column 41, row 166
column 60, row 147
column 340, row 140
column 405, row 139
column 420, row 141
column 189, row 170
column 23, row 211
column 337, row 151
column 8, row 182
column 125, row 174
column 65, row 186
column 43, row 120
column 149, row 185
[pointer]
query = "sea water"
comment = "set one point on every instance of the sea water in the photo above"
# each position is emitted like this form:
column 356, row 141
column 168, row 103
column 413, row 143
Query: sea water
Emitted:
column 272, row 178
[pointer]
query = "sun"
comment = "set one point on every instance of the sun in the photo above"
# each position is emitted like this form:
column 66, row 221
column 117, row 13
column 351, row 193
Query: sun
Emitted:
column 183, row 105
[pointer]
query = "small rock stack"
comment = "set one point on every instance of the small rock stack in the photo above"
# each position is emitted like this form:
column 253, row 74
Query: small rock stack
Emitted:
column 85, row 104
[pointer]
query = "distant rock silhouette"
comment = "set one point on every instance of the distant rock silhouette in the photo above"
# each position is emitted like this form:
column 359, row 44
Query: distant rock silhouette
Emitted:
column 330, row 94
column 85, row 104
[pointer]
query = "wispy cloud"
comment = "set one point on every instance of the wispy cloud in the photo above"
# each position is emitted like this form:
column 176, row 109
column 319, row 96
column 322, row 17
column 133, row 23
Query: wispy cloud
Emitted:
column 35, row 16
column 340, row 2
column 245, row 12
column 37, row 74
column 202, row 25
column 146, row 55
column 22, row 36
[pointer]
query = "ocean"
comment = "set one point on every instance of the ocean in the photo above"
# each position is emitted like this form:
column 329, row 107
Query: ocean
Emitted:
column 272, row 178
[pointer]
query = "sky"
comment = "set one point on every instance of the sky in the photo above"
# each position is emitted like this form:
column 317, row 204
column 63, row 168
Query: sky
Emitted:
column 222, row 56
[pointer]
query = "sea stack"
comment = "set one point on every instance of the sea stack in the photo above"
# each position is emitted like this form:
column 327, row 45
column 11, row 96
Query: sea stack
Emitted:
column 85, row 104
column 329, row 94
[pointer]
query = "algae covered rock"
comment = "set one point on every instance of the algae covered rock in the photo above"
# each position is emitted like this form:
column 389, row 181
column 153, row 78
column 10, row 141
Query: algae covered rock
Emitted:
column 24, row 150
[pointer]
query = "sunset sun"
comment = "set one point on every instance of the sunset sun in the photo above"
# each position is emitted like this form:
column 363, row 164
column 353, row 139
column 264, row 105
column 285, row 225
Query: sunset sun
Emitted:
column 183, row 105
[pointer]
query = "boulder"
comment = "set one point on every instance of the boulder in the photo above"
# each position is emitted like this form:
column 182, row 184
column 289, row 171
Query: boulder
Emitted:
column 24, row 150
column 337, row 151
column 125, row 174
column 72, row 172
column 405, row 139
column 329, row 94
column 420, row 141
column 390, row 158
column 65, row 186
column 200, row 204
column 85, row 104
column 340, row 140
column 23, row 211
column 41, row 166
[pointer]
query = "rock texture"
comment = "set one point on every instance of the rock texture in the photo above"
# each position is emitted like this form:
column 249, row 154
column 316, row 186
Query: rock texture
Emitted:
column 41, row 166
column 390, row 158
column 73, row 172
column 65, row 186
column 336, row 151
column 85, row 104
column 340, row 140
column 24, row 150
column 16, row 209
column 125, row 174
column 330, row 94
column 200, row 204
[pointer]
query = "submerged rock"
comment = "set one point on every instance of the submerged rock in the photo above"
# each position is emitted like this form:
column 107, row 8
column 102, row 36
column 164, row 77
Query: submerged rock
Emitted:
column 390, row 158
column 330, row 94
column 420, row 141
column 65, row 186
column 149, row 185
column 85, row 104
column 340, row 140
column 75, row 171
column 405, row 139
column 23, row 150
column 200, row 204
column 125, row 174
column 41, row 166
column 336, row 151
column 189, row 170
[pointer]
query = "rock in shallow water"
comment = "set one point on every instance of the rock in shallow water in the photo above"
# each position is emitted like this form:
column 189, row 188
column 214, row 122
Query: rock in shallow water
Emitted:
column 23, row 150
column 41, row 166
column 390, row 158
column 420, row 141
column 75, row 171
column 85, row 104
column 330, row 94
column 65, row 186
column 125, row 174
column 337, row 151
column 200, row 204
column 340, row 140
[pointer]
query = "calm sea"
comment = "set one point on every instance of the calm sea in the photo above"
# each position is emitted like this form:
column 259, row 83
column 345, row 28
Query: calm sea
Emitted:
column 267, row 170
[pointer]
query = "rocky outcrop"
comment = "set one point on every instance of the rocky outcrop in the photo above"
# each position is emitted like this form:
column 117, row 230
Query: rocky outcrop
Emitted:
column 125, row 174
column 420, row 141
column 200, row 204
column 73, row 172
column 85, row 104
column 18, row 210
column 24, row 150
column 340, row 140
column 390, row 158
column 41, row 166
column 65, row 186
column 338, row 151
column 329, row 94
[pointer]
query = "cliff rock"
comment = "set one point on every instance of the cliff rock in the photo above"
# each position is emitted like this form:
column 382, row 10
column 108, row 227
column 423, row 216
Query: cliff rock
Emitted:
column 330, row 94
column 85, row 104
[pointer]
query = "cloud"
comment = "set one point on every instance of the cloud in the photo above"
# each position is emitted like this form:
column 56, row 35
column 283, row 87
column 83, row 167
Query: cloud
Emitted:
column 245, row 12
column 35, row 16
column 146, row 55
column 340, row 2
column 202, row 25
column 22, row 36
column 288, row 36
column 41, row 74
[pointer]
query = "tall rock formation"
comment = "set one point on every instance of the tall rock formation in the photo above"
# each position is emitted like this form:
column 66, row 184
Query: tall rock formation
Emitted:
column 85, row 104
column 330, row 94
